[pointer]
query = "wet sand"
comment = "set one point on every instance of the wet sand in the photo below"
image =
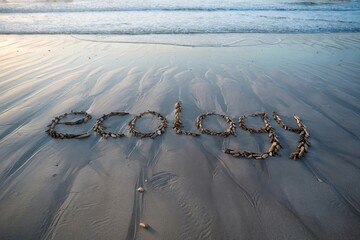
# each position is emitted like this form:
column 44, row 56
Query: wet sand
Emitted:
column 86, row 188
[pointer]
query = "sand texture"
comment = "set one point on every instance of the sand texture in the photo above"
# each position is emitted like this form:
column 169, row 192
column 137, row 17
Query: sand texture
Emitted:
column 86, row 188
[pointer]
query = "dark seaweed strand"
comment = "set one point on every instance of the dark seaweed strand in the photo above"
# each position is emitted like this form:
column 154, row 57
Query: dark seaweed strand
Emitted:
column 99, row 127
column 178, row 123
column 229, row 131
column 51, row 127
column 274, row 140
column 303, row 143
column 158, row 131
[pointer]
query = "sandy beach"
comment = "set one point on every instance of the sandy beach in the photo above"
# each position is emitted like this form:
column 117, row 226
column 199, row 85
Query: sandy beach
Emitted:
column 86, row 188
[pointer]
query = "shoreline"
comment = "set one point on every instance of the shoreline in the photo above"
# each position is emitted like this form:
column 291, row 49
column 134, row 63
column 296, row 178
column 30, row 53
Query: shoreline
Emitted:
column 197, row 39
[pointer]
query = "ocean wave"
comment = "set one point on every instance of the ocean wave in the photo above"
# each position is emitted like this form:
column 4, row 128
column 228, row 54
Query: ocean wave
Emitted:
column 137, row 32
column 36, row 8
column 135, row 19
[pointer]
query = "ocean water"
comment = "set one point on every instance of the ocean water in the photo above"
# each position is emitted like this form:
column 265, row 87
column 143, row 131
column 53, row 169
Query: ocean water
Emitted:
column 136, row 17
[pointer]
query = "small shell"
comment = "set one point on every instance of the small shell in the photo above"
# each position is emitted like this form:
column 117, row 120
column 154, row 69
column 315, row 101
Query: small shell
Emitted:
column 144, row 225
column 86, row 135
column 306, row 132
column 232, row 151
column 140, row 189
column 158, row 132
column 272, row 147
column 302, row 151
column 177, row 105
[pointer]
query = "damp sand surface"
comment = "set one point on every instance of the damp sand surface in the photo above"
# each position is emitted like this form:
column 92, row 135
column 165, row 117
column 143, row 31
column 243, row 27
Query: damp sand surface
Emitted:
column 86, row 188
